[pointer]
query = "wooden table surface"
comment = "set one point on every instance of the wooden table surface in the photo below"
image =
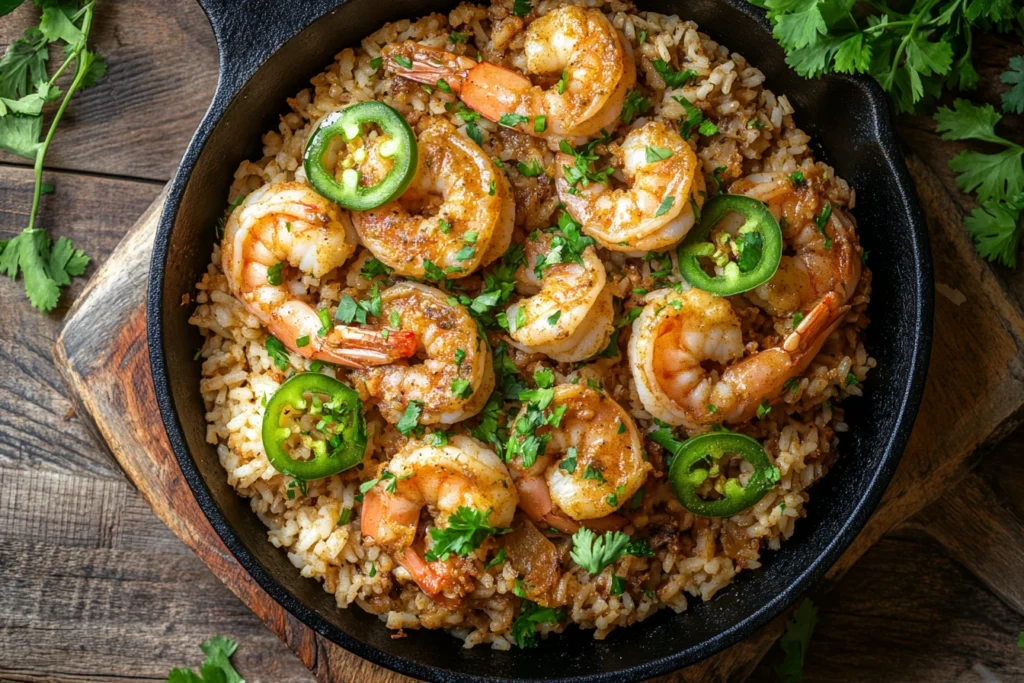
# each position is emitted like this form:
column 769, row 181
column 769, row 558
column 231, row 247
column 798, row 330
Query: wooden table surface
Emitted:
column 94, row 587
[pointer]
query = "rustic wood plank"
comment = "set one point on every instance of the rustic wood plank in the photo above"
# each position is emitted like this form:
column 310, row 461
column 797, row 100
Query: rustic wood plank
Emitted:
column 73, row 614
column 94, row 213
column 907, row 612
column 981, row 533
column 162, row 72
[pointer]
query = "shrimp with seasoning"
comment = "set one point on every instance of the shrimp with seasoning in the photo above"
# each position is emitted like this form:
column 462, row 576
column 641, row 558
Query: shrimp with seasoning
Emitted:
column 826, row 257
column 656, row 209
column 568, row 315
column 455, row 376
column 592, row 464
column 463, row 473
column 458, row 213
column 678, row 333
column 289, row 226
column 592, row 62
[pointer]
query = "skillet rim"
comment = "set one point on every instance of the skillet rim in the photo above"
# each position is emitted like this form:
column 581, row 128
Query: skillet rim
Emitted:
column 876, row 104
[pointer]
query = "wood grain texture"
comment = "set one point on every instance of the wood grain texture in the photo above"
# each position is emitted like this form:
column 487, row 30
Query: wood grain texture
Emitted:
column 162, row 72
column 909, row 613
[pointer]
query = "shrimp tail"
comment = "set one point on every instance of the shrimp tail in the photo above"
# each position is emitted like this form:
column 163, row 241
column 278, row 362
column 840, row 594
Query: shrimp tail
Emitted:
column 356, row 347
column 428, row 64
column 816, row 326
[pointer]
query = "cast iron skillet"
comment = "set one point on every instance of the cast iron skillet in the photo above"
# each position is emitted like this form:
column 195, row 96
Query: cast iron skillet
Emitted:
column 268, row 53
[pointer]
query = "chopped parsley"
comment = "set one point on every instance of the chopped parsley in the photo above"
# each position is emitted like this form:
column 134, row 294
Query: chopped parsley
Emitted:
column 635, row 105
column 278, row 352
column 666, row 204
column 673, row 78
column 512, row 120
column 466, row 530
column 531, row 170
column 274, row 273
column 581, row 173
column 657, row 154
column 410, row 418
column 568, row 463
column 594, row 553
column 524, row 628
column 496, row 560
column 521, row 8
column 461, row 388
column 455, row 37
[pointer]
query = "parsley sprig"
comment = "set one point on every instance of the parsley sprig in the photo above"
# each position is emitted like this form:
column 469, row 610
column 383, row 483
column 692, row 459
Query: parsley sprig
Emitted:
column 594, row 553
column 216, row 669
column 524, row 628
column 525, row 441
column 466, row 530
column 913, row 49
column 996, row 178
column 46, row 266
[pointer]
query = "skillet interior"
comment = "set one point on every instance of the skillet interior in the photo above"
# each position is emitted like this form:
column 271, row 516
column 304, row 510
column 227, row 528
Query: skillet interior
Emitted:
column 848, row 120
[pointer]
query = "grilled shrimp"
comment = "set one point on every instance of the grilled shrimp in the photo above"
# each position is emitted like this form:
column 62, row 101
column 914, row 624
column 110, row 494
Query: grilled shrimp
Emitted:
column 284, row 228
column 591, row 466
column 568, row 315
column 656, row 210
column 463, row 473
column 455, row 376
column 457, row 213
column 678, row 333
column 826, row 259
column 579, row 45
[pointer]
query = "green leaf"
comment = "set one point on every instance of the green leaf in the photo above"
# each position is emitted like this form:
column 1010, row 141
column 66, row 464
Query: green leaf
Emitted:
column 1013, row 99
column 594, row 553
column 42, row 290
column 990, row 175
column 66, row 262
column 801, row 26
column 56, row 25
column 10, row 252
column 966, row 120
column 853, row 55
column 95, row 68
column 996, row 227
column 410, row 418
column 524, row 628
column 23, row 64
column 465, row 530
column 217, row 667
column 19, row 135
column 794, row 641
column 927, row 57
column 8, row 6
column 29, row 105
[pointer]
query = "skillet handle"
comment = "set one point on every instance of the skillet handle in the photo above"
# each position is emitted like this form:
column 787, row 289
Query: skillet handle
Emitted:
column 248, row 32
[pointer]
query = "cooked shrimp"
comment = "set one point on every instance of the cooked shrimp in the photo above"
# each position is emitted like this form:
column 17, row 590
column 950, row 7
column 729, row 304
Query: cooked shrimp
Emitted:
column 655, row 210
column 592, row 465
column 579, row 45
column 826, row 259
column 464, row 473
column 454, row 377
column 458, row 213
column 677, row 334
column 290, row 225
column 569, row 314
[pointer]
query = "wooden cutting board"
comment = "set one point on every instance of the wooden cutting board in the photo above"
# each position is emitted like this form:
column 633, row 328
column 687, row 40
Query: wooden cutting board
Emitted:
column 973, row 398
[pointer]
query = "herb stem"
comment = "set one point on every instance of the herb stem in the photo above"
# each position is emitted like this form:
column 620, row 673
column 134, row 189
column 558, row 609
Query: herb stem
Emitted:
column 80, row 71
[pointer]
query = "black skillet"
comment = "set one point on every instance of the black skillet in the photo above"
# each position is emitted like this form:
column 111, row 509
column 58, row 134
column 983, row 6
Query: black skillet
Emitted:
column 269, row 50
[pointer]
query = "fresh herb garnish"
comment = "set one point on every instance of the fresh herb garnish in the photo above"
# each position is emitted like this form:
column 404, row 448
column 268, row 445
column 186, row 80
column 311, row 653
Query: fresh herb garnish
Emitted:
column 594, row 553
column 217, row 667
column 278, row 352
column 45, row 266
column 410, row 418
column 635, row 105
column 673, row 78
column 524, row 628
column 466, row 530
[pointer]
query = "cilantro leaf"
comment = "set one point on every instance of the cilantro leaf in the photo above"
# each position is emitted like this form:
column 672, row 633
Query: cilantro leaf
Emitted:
column 672, row 78
column 278, row 353
column 216, row 669
column 1013, row 99
column 23, row 64
column 465, row 531
column 995, row 227
column 594, row 553
column 524, row 628
column 635, row 105
column 794, row 641
column 66, row 262
column 991, row 176
column 19, row 135
column 410, row 418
